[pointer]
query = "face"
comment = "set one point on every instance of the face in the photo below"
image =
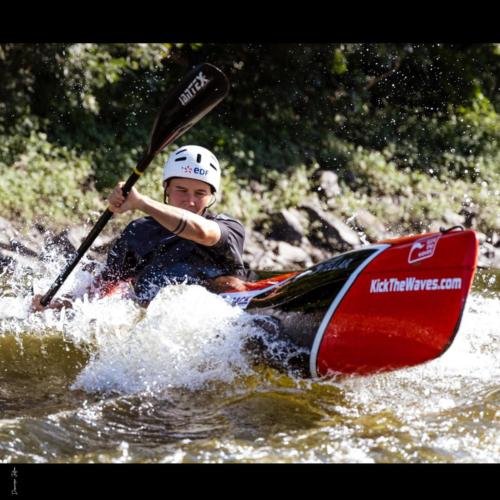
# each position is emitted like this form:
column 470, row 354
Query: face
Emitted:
column 190, row 194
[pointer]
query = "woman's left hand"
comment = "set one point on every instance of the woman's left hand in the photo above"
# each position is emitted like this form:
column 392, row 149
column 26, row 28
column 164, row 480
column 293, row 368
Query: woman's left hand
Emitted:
column 57, row 304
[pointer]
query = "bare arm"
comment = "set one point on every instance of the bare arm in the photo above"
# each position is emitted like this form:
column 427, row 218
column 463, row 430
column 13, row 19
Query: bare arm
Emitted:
column 182, row 222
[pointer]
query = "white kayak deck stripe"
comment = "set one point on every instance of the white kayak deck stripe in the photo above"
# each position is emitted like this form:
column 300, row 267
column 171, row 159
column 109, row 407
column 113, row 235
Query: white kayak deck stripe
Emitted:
column 338, row 298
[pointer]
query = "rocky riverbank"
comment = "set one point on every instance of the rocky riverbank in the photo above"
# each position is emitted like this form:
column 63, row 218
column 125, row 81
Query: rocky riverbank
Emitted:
column 302, row 237
column 290, row 239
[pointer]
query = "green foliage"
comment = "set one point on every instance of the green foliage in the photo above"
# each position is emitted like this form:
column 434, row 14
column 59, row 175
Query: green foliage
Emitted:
column 409, row 125
column 46, row 182
column 410, row 200
column 251, row 201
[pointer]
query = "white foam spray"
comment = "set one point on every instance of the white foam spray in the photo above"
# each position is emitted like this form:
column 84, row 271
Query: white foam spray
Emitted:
column 188, row 337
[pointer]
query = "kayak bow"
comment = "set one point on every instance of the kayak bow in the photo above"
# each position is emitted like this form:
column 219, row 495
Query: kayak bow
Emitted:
column 393, row 304
column 381, row 307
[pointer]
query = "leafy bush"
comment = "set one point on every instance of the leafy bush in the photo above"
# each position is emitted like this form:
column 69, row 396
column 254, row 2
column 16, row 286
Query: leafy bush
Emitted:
column 411, row 129
column 46, row 181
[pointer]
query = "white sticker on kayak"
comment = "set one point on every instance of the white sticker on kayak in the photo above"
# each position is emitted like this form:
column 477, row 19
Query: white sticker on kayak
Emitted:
column 242, row 299
column 238, row 301
column 412, row 284
column 423, row 248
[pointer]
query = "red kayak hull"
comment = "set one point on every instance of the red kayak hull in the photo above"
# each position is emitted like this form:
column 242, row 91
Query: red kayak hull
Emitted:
column 394, row 304
column 403, row 309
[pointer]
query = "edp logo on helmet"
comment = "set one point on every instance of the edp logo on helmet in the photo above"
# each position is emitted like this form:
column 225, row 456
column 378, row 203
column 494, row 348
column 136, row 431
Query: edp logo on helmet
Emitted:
column 195, row 170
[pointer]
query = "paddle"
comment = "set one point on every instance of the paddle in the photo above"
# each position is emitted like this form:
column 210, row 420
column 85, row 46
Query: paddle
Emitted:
column 200, row 91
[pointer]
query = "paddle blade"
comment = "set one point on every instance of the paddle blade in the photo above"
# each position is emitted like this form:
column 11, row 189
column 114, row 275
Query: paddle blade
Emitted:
column 200, row 91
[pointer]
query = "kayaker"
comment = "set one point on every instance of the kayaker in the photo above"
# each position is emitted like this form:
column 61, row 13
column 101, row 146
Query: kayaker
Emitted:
column 178, row 240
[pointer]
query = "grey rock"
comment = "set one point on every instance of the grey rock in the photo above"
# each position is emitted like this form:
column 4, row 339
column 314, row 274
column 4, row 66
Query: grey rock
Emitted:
column 265, row 263
column 254, row 249
column 451, row 218
column 495, row 240
column 13, row 259
column 370, row 225
column 316, row 254
column 488, row 256
column 330, row 230
column 76, row 235
column 290, row 256
column 286, row 225
column 5, row 260
column 328, row 184
column 482, row 239
column 101, row 244
column 12, row 239
column 60, row 243
column 470, row 216
column 7, row 232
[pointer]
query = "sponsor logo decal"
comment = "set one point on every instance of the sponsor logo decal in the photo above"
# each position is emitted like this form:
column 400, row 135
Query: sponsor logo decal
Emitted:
column 238, row 301
column 193, row 88
column 242, row 299
column 196, row 170
column 412, row 284
column 423, row 249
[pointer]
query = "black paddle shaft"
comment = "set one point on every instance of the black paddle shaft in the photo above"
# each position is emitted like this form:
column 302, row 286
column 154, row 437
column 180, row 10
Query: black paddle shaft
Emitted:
column 199, row 92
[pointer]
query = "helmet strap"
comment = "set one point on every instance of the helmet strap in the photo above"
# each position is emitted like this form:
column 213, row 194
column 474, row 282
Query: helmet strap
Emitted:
column 214, row 199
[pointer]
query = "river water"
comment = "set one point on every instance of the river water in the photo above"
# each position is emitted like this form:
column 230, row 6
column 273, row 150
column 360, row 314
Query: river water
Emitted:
column 109, row 382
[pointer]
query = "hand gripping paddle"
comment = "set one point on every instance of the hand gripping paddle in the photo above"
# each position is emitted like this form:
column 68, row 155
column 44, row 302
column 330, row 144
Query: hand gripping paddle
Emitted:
column 200, row 91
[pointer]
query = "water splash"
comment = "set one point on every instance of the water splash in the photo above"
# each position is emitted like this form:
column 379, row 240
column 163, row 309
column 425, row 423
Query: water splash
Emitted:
column 444, row 410
column 185, row 357
column 188, row 337
column 473, row 360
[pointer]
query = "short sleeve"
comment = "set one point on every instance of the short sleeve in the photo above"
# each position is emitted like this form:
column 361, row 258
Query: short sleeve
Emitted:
column 231, row 243
column 232, row 233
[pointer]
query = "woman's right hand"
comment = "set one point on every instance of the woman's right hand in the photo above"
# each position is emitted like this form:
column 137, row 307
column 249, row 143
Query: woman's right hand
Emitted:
column 119, row 204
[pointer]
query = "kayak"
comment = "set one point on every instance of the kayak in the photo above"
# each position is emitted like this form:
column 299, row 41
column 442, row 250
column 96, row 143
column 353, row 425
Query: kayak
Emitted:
column 381, row 307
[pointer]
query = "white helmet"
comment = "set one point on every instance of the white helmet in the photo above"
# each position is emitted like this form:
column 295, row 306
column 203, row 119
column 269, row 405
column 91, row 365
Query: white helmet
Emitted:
column 193, row 162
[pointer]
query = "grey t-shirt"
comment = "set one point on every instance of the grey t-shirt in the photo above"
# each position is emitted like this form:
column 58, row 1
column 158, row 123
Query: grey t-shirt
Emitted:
column 153, row 256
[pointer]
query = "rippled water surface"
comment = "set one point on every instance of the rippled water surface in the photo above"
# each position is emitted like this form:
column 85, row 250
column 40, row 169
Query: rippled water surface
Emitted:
column 111, row 382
